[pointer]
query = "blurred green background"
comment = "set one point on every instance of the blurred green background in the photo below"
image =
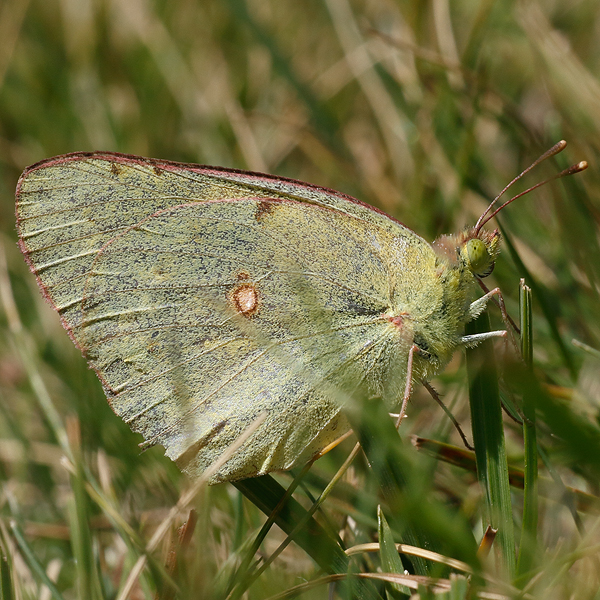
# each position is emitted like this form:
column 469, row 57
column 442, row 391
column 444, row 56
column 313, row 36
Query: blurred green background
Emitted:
column 424, row 109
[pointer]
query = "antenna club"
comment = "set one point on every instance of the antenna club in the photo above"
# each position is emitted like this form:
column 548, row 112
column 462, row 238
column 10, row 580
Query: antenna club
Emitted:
column 556, row 149
column 577, row 168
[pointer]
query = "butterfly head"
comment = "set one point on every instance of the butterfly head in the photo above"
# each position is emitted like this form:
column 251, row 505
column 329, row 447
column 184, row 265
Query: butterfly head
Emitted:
column 478, row 253
column 472, row 250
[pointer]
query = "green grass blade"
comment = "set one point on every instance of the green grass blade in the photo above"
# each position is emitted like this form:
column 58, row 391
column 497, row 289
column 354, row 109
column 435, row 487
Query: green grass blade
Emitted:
column 243, row 577
column 390, row 559
column 79, row 513
column 490, row 451
column 528, row 546
column 588, row 349
column 459, row 588
column 372, row 425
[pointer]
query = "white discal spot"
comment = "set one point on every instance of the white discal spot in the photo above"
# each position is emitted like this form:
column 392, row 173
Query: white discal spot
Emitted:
column 245, row 299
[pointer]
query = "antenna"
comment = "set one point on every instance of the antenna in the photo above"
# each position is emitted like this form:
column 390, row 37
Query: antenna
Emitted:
column 558, row 147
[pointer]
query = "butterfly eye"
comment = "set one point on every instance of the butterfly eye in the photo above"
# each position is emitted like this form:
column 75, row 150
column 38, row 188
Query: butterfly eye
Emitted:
column 478, row 258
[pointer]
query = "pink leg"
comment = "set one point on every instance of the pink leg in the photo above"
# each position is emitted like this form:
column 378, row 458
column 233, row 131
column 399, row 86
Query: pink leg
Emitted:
column 408, row 387
column 511, row 326
column 508, row 321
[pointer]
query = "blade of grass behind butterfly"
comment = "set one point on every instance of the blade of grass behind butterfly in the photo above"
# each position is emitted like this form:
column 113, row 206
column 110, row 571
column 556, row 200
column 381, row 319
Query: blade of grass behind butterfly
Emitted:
column 490, row 451
column 266, row 494
column 542, row 298
column 380, row 442
column 327, row 488
column 528, row 546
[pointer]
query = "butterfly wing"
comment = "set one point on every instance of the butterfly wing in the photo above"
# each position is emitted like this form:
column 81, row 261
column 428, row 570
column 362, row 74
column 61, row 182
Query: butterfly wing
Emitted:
column 204, row 300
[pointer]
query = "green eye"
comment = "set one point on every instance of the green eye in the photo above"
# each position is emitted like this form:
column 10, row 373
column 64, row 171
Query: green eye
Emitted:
column 478, row 258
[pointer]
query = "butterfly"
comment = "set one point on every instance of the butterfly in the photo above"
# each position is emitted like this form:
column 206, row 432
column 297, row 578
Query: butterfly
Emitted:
column 206, row 298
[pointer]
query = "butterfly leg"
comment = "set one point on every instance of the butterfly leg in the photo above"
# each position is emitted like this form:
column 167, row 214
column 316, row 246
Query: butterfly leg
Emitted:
column 470, row 341
column 478, row 306
column 433, row 393
column 499, row 300
column 408, row 387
